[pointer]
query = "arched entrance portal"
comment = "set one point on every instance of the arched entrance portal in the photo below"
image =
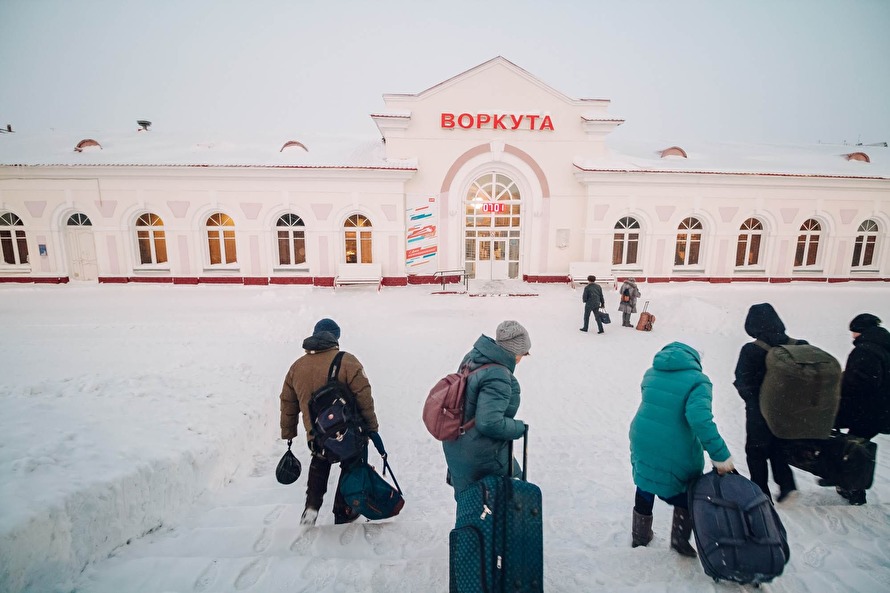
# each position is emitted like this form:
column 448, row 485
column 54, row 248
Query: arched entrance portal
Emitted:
column 492, row 228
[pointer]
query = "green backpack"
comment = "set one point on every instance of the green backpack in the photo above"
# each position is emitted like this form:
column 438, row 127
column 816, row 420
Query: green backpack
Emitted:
column 801, row 390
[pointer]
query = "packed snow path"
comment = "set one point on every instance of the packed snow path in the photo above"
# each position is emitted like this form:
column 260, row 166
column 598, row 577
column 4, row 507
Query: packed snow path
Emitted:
column 121, row 393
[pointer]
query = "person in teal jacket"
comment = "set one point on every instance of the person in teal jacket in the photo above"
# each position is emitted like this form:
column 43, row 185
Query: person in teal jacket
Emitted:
column 492, row 398
column 670, row 431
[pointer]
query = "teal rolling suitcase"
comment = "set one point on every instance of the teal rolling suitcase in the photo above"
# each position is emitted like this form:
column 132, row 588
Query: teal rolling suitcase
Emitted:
column 497, row 544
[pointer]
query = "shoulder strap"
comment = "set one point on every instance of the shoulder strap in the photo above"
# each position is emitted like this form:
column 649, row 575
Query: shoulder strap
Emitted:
column 334, row 369
column 767, row 347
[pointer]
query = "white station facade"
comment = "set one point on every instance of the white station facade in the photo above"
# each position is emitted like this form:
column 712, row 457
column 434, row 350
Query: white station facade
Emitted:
column 490, row 174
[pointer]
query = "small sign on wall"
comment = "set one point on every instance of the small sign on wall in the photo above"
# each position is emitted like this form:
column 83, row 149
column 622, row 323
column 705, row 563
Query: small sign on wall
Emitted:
column 41, row 249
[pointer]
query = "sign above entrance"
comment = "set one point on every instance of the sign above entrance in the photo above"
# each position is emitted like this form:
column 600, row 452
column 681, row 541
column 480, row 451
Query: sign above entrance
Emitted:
column 494, row 207
column 497, row 121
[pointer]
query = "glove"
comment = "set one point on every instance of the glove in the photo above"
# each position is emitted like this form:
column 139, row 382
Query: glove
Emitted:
column 724, row 467
column 378, row 443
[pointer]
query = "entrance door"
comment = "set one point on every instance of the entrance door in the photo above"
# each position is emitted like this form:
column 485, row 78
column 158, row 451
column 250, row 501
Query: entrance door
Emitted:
column 491, row 261
column 492, row 228
column 82, row 254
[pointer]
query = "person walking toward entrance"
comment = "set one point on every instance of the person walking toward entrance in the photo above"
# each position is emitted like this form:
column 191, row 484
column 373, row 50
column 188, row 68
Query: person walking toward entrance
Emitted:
column 305, row 376
column 593, row 299
column 628, row 304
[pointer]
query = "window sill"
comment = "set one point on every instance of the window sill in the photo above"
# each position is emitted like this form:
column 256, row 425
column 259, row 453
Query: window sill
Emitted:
column 233, row 268
column 290, row 269
column 7, row 269
column 754, row 270
column 151, row 270
column 807, row 271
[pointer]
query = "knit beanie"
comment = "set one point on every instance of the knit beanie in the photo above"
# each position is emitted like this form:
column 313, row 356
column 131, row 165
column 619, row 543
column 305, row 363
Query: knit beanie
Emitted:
column 863, row 321
column 513, row 338
column 327, row 325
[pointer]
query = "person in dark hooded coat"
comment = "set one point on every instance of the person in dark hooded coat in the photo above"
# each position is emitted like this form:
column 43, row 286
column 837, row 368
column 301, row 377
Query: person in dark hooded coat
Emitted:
column 865, row 388
column 762, row 447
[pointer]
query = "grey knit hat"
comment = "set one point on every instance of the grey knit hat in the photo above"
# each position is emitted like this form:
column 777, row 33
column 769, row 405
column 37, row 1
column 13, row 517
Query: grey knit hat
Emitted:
column 513, row 338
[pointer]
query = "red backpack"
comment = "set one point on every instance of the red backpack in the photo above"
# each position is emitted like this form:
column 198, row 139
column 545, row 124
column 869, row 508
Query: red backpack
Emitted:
column 443, row 410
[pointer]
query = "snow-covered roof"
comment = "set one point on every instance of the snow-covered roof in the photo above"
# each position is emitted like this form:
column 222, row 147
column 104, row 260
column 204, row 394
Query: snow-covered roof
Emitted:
column 799, row 160
column 157, row 147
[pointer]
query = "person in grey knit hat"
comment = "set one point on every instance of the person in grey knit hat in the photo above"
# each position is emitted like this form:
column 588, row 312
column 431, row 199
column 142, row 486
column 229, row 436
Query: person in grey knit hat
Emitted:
column 491, row 400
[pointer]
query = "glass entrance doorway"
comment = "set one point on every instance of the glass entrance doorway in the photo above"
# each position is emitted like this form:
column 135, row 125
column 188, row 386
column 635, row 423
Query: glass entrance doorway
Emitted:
column 492, row 231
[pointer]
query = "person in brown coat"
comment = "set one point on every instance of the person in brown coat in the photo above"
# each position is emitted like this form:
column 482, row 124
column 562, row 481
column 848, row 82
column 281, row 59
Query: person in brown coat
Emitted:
column 307, row 374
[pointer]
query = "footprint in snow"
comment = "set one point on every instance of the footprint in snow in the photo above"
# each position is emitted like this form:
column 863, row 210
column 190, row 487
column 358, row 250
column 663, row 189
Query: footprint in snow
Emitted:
column 262, row 542
column 815, row 556
column 250, row 574
column 207, row 577
column 273, row 514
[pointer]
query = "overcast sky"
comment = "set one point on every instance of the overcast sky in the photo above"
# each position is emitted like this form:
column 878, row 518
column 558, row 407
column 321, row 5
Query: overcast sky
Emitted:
column 772, row 71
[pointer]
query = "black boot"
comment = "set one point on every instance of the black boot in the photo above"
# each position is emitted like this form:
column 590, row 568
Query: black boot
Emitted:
column 680, row 532
column 641, row 531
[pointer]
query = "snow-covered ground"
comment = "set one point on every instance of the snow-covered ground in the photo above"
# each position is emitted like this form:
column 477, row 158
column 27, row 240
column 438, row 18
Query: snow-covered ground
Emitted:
column 139, row 436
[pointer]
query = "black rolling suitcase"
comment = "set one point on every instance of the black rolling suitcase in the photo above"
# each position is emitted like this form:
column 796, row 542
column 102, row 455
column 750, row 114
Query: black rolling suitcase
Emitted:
column 843, row 460
column 497, row 544
column 738, row 535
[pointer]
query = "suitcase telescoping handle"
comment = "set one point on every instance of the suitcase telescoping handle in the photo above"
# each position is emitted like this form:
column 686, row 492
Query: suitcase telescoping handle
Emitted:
column 645, row 306
column 524, row 456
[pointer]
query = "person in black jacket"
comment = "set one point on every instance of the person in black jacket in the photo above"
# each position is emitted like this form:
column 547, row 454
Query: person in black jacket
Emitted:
column 593, row 300
column 865, row 388
column 762, row 447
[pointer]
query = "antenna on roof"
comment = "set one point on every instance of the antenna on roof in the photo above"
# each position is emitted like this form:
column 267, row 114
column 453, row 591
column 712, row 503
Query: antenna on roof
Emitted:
column 143, row 124
column 7, row 130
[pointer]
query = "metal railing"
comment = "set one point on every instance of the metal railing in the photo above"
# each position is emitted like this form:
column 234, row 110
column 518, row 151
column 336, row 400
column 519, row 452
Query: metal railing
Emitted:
column 444, row 274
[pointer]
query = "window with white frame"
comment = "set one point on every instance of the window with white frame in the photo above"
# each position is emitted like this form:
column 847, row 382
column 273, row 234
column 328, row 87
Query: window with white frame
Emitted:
column 151, row 239
column 688, row 249
column 807, row 251
column 357, row 239
column 13, row 242
column 221, row 239
column 866, row 244
column 626, row 242
column 747, row 252
column 291, row 240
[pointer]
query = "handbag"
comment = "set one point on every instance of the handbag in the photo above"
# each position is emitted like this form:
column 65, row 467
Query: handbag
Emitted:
column 367, row 492
column 604, row 316
column 289, row 467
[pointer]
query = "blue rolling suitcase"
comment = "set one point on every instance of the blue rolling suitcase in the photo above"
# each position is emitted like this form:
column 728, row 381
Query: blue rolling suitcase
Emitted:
column 738, row 534
column 497, row 544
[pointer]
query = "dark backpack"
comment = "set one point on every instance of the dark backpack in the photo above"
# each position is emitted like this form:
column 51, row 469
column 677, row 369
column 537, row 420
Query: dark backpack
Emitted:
column 443, row 410
column 338, row 429
column 801, row 390
column 367, row 492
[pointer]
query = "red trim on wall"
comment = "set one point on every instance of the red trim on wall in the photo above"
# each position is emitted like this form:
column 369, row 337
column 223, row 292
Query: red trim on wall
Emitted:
column 185, row 280
column 221, row 280
column 256, row 281
column 546, row 279
column 151, row 279
column 323, row 281
column 394, row 281
column 113, row 279
column 35, row 280
column 290, row 280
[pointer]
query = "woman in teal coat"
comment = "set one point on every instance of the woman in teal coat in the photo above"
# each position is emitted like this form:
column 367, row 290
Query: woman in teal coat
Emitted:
column 492, row 398
column 670, row 431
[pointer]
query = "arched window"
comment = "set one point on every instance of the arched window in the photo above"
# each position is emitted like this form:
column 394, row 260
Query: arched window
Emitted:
column 291, row 240
column 151, row 239
column 626, row 242
column 688, row 242
column 357, row 237
column 221, row 239
column 807, row 244
column 493, row 218
column 78, row 219
column 866, row 243
column 12, row 240
column 747, row 251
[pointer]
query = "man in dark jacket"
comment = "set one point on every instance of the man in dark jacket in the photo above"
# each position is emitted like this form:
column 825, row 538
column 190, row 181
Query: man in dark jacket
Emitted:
column 593, row 299
column 761, row 446
column 865, row 388
column 307, row 374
